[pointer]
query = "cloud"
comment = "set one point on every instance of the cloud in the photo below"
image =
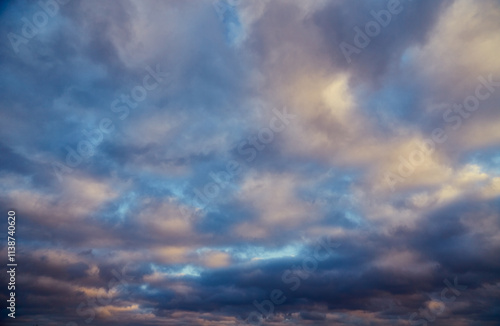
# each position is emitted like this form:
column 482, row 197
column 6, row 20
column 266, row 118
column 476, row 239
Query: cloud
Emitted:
column 131, row 235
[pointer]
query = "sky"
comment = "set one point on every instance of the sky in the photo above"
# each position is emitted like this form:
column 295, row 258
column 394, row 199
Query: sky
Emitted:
column 263, row 162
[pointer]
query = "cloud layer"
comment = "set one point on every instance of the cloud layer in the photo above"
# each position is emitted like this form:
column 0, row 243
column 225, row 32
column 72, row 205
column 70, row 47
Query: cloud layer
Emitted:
column 230, row 162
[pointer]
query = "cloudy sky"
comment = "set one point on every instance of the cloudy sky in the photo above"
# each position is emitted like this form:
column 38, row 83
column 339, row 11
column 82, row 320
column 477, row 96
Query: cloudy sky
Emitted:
column 262, row 162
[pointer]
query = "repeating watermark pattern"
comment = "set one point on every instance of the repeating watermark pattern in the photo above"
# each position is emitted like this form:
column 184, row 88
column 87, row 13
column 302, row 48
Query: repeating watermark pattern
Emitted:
column 121, row 106
column 32, row 27
column 438, row 305
column 292, row 278
column 372, row 29
column 453, row 118
column 118, row 284
column 249, row 150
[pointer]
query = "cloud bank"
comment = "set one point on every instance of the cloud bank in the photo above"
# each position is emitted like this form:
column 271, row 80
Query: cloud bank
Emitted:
column 252, row 162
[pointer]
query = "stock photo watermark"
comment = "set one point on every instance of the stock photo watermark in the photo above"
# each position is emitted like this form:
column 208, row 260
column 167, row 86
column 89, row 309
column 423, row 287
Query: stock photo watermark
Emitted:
column 89, row 308
column 249, row 150
column 438, row 305
column 363, row 37
column 453, row 118
column 121, row 106
column 292, row 277
column 11, row 263
column 32, row 27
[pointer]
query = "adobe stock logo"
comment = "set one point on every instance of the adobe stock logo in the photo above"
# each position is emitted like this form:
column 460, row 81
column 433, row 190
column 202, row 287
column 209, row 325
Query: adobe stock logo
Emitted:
column 33, row 27
column 248, row 149
column 437, row 306
column 454, row 118
column 121, row 106
column 265, row 310
column 372, row 29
